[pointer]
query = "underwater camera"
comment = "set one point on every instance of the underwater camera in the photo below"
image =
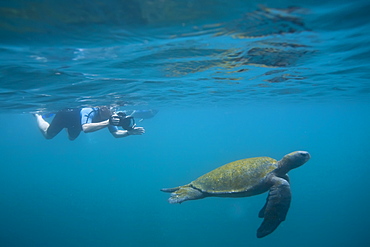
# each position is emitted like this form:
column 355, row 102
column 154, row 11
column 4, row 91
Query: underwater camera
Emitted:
column 126, row 122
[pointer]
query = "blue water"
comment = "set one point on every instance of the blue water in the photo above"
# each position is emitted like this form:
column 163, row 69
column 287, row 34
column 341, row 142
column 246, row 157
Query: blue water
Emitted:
column 230, row 79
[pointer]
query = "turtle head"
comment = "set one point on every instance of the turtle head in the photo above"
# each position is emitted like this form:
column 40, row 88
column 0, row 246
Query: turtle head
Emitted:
column 292, row 161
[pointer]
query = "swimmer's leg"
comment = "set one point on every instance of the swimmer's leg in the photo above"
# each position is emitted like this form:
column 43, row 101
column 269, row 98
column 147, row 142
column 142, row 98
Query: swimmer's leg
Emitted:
column 73, row 132
column 49, row 131
column 43, row 125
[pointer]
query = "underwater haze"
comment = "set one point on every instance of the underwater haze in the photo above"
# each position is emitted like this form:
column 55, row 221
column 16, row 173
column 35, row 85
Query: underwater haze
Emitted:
column 229, row 79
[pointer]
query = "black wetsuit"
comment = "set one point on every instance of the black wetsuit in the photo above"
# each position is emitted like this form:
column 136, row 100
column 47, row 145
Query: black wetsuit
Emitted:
column 73, row 118
column 70, row 119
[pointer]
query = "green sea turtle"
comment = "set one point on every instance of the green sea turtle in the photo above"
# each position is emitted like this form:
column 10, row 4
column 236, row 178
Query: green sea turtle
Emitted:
column 248, row 177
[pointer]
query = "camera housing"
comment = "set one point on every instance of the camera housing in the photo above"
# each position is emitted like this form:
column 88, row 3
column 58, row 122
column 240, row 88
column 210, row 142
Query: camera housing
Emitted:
column 126, row 122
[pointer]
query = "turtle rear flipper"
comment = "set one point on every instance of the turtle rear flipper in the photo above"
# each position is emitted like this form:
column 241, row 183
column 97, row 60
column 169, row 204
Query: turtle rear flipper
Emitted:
column 276, row 207
column 170, row 189
column 183, row 193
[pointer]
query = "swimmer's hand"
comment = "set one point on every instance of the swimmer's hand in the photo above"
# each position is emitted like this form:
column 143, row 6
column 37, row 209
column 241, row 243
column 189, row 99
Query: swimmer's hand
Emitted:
column 136, row 131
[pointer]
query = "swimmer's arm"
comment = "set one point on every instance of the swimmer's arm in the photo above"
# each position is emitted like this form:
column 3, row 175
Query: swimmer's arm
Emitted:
column 91, row 127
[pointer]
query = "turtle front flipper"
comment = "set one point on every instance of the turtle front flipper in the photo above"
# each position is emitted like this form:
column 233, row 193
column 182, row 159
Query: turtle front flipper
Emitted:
column 276, row 207
column 183, row 193
column 262, row 211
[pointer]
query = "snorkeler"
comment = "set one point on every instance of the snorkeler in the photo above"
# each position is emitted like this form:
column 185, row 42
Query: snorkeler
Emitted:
column 88, row 120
